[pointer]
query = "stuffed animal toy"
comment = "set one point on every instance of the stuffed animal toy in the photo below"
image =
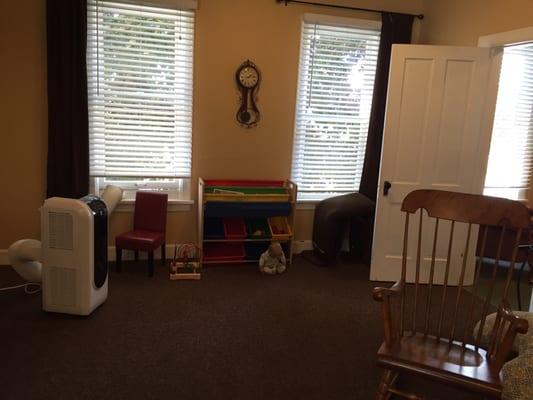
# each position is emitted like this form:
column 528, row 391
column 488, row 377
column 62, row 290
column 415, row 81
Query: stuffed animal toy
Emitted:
column 273, row 260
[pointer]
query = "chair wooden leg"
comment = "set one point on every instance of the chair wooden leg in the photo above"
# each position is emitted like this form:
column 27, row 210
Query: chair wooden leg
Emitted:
column 118, row 259
column 384, row 385
column 136, row 255
column 150, row 263
column 163, row 254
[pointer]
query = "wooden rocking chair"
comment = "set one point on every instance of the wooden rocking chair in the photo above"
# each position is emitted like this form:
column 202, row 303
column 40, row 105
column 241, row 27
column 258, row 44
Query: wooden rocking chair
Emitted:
column 453, row 354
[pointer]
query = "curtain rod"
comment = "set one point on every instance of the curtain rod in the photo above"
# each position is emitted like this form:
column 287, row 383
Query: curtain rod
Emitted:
column 286, row 2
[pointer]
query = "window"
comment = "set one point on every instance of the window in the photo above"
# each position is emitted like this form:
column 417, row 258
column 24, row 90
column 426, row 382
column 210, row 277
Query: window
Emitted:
column 338, row 60
column 510, row 157
column 139, row 67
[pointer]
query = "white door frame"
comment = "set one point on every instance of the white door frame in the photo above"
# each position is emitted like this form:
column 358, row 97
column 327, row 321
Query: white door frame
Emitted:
column 501, row 39
column 497, row 42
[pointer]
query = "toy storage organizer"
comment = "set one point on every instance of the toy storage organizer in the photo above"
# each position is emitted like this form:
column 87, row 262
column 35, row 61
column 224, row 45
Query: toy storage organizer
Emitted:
column 238, row 219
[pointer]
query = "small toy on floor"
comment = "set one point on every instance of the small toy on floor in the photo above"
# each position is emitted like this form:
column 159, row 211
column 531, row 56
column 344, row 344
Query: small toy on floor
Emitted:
column 186, row 263
column 273, row 260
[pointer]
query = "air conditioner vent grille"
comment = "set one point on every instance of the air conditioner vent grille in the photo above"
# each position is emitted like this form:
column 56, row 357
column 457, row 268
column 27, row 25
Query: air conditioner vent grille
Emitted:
column 60, row 231
column 61, row 286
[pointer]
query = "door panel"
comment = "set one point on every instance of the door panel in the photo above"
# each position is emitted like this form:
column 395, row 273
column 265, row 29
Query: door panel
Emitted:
column 432, row 136
column 414, row 101
column 448, row 162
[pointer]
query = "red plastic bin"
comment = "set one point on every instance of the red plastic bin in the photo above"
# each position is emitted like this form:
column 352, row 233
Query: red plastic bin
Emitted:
column 243, row 183
column 223, row 252
column 234, row 228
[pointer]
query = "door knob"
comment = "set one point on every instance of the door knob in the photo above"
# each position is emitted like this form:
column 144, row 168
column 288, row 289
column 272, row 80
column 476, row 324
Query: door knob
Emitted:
column 386, row 186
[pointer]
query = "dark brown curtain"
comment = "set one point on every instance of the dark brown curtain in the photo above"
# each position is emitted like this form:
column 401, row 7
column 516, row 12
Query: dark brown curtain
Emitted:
column 68, row 121
column 395, row 28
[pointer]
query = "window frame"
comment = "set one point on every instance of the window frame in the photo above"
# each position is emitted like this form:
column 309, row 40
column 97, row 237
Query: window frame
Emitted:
column 179, row 192
column 375, row 25
column 178, row 188
column 502, row 187
column 496, row 43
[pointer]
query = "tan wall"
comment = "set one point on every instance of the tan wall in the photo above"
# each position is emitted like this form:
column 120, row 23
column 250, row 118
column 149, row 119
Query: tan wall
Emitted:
column 227, row 33
column 462, row 22
column 23, row 118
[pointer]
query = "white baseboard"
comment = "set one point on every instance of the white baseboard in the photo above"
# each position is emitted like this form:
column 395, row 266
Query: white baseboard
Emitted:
column 304, row 245
column 126, row 255
column 301, row 245
column 298, row 247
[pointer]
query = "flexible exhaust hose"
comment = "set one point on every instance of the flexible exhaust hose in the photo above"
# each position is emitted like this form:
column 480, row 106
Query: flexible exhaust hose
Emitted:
column 111, row 197
column 25, row 255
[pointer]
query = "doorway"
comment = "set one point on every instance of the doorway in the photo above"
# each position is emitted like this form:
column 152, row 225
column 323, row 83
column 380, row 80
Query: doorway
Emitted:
column 510, row 164
column 510, row 156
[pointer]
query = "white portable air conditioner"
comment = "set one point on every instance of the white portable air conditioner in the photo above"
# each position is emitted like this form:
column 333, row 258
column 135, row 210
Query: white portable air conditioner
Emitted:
column 71, row 258
column 74, row 254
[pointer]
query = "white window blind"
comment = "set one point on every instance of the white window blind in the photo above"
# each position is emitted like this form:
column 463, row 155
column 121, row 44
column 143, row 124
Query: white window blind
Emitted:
column 139, row 67
column 511, row 149
column 336, row 82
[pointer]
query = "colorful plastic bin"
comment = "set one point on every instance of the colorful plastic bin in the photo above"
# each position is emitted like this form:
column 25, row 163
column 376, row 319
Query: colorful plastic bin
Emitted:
column 244, row 209
column 234, row 228
column 213, row 228
column 280, row 228
column 213, row 252
column 249, row 183
column 258, row 228
column 246, row 194
column 254, row 250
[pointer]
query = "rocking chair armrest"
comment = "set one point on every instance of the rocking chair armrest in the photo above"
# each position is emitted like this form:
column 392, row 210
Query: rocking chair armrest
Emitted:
column 379, row 293
column 384, row 295
column 501, row 346
column 519, row 325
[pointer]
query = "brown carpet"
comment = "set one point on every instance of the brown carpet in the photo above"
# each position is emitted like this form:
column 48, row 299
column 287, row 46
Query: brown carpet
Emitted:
column 311, row 333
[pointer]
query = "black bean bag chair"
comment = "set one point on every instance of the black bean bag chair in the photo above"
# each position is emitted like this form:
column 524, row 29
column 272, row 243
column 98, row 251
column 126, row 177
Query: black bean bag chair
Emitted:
column 332, row 217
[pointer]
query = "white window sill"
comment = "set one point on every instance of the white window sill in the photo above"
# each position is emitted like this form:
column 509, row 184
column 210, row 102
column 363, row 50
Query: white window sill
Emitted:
column 310, row 204
column 173, row 206
column 306, row 204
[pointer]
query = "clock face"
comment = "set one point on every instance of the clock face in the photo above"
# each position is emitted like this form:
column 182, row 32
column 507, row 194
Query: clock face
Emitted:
column 248, row 77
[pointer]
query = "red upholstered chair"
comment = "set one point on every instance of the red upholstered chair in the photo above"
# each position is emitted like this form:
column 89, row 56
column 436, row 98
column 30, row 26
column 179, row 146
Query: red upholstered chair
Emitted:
column 149, row 227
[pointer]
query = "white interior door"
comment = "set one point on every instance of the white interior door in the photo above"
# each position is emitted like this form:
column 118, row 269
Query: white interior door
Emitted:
column 435, row 137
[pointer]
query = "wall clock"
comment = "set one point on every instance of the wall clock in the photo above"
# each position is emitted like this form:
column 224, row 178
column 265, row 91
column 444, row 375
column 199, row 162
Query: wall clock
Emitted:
column 248, row 79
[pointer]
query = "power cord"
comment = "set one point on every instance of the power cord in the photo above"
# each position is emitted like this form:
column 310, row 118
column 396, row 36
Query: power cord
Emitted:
column 29, row 288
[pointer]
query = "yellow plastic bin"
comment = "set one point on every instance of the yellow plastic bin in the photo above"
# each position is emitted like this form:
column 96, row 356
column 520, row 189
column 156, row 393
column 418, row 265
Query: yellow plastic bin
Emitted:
column 280, row 228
